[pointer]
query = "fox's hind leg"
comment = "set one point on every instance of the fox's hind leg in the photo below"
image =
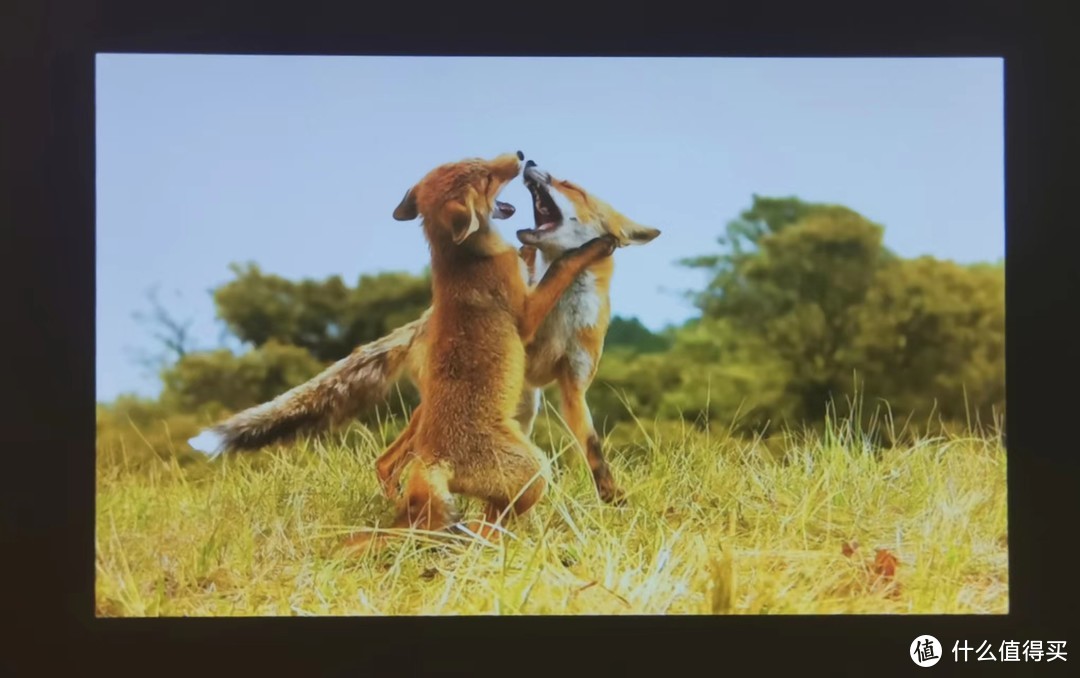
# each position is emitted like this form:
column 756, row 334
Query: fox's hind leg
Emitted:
column 425, row 504
column 389, row 465
column 576, row 413
column 511, row 478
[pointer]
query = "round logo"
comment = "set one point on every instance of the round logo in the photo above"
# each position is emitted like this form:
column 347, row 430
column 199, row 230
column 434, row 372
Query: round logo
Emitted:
column 925, row 651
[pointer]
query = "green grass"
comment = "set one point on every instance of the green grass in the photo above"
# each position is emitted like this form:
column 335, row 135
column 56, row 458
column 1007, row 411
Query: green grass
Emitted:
column 713, row 525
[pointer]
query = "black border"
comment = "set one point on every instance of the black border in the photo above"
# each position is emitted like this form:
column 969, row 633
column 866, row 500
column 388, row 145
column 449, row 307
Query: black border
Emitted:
column 48, row 426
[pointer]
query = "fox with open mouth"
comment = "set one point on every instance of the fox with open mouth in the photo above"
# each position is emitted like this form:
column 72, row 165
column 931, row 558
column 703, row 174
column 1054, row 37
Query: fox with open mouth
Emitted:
column 565, row 350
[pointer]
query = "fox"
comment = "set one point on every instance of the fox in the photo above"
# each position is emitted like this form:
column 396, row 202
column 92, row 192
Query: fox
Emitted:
column 464, row 437
column 566, row 350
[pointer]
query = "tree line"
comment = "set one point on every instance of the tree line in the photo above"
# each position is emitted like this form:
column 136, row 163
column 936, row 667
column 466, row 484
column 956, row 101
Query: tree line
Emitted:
column 804, row 309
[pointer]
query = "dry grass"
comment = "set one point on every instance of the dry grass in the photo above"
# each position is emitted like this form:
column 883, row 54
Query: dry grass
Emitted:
column 713, row 525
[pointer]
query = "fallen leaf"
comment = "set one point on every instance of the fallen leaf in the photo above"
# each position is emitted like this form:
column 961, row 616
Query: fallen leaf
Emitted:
column 885, row 564
column 849, row 548
column 884, row 567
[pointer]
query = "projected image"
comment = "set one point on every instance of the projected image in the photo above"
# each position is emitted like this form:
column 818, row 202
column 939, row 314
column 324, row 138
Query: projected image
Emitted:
column 548, row 336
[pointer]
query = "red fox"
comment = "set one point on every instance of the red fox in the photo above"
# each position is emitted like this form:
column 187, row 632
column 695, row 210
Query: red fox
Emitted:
column 464, row 438
column 566, row 349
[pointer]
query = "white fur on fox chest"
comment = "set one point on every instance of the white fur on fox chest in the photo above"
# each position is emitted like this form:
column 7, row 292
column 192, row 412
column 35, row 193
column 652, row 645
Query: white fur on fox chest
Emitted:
column 557, row 338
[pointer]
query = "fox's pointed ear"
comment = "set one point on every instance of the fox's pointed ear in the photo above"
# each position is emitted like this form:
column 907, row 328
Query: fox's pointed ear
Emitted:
column 406, row 210
column 463, row 219
column 636, row 234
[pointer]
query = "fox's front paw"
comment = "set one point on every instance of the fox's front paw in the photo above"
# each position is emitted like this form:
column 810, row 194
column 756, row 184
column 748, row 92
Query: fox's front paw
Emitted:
column 610, row 492
column 390, row 487
column 602, row 247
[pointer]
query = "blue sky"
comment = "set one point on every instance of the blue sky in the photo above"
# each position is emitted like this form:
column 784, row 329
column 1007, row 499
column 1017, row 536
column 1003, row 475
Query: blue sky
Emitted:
column 296, row 163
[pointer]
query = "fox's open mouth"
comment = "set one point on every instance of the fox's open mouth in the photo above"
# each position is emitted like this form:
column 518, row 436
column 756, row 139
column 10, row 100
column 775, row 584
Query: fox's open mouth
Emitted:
column 546, row 214
column 503, row 210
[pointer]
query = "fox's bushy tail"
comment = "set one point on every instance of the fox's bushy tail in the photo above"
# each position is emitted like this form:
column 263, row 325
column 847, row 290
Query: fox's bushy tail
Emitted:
column 351, row 385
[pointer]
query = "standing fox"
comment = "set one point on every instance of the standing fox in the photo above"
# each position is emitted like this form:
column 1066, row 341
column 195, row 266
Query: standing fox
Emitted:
column 566, row 349
column 464, row 438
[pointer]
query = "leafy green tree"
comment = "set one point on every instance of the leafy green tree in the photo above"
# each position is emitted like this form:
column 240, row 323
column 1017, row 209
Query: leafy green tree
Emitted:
column 742, row 237
column 633, row 335
column 711, row 375
column 296, row 329
column 931, row 336
column 794, row 277
column 727, row 377
column 231, row 382
column 324, row 317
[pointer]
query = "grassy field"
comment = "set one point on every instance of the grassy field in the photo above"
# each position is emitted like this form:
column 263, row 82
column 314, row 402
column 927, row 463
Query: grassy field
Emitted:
column 713, row 525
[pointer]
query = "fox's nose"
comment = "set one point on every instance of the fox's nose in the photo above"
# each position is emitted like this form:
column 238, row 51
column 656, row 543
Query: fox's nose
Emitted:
column 530, row 164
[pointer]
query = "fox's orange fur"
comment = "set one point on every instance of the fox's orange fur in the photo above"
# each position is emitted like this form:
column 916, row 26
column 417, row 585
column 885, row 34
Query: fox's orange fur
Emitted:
column 565, row 350
column 567, row 347
column 464, row 438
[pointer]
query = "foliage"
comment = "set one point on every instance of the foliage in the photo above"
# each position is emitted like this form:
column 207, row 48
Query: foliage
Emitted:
column 803, row 306
column 835, row 312
column 711, row 373
column 231, row 382
column 932, row 335
column 630, row 333
column 324, row 317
